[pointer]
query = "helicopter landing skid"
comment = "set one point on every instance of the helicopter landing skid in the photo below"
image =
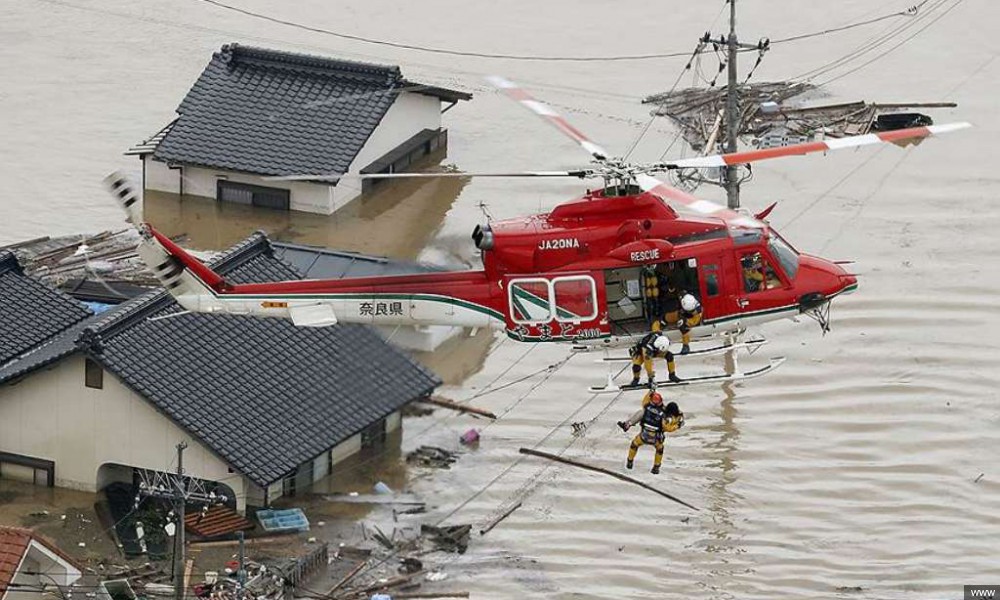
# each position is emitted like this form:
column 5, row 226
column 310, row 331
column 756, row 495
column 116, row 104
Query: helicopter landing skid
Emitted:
column 612, row 388
column 750, row 345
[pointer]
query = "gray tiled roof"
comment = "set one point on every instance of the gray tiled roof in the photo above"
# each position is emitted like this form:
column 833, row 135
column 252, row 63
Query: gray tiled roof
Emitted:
column 280, row 113
column 322, row 263
column 264, row 395
column 30, row 311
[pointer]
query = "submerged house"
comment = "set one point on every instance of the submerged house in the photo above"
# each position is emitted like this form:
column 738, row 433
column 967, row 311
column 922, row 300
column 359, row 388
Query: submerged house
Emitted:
column 256, row 113
column 265, row 407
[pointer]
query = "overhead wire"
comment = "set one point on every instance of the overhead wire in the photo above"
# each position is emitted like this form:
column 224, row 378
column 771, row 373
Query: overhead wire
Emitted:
column 880, row 39
column 444, row 51
column 695, row 56
column 897, row 46
column 805, row 36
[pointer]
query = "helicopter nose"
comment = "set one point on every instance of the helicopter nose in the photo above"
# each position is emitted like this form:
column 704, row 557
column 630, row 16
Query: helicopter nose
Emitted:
column 819, row 276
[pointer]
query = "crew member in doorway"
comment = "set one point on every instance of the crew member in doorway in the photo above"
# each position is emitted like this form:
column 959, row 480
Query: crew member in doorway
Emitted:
column 656, row 420
column 670, row 303
column 690, row 317
column 651, row 294
column 652, row 346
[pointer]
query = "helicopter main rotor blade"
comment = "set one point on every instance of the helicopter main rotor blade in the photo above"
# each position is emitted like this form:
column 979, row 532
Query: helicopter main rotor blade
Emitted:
column 899, row 137
column 580, row 174
column 706, row 208
column 549, row 114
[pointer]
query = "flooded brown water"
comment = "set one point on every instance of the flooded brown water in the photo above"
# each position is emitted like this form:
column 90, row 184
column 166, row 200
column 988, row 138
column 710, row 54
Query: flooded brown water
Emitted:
column 853, row 471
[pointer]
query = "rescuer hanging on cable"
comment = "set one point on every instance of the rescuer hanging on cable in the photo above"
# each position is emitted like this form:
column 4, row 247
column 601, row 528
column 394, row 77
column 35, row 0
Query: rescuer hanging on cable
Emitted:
column 690, row 316
column 656, row 421
column 651, row 346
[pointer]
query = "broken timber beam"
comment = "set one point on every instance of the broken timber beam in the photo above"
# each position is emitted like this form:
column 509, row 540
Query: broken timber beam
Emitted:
column 497, row 520
column 597, row 469
column 459, row 407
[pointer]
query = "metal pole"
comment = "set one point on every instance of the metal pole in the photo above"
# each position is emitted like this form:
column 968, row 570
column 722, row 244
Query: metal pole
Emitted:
column 179, row 539
column 732, row 113
column 241, row 575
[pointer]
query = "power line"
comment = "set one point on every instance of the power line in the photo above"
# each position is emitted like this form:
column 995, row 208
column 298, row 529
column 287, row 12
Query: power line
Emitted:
column 894, row 48
column 909, row 12
column 445, row 51
column 880, row 39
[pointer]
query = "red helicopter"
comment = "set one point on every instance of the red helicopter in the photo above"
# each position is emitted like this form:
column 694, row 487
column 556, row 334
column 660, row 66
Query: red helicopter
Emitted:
column 577, row 274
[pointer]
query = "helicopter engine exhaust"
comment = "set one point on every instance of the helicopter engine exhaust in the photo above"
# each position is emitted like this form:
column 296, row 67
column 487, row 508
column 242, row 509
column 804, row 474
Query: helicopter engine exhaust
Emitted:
column 482, row 235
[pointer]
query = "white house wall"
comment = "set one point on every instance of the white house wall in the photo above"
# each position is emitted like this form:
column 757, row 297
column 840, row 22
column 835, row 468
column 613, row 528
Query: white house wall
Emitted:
column 52, row 415
column 409, row 115
column 159, row 177
column 198, row 181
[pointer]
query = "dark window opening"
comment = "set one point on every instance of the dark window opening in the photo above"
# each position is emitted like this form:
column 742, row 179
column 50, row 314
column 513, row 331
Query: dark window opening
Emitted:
column 252, row 195
column 93, row 374
column 426, row 143
column 711, row 283
column 373, row 435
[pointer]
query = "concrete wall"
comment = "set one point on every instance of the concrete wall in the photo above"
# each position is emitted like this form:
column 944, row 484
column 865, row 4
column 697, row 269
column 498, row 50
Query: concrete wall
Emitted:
column 51, row 414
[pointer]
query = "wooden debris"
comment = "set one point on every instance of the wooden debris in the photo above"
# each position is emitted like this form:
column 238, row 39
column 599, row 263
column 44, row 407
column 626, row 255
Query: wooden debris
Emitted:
column 497, row 520
column 596, row 469
column 449, row 539
column 436, row 401
column 432, row 456
column 379, row 536
column 347, row 578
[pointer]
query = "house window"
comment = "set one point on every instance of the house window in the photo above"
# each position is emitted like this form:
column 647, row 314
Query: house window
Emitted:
column 373, row 435
column 93, row 374
column 252, row 195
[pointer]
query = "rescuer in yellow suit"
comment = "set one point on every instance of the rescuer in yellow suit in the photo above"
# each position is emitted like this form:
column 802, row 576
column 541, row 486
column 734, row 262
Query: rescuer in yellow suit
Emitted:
column 651, row 346
column 670, row 305
column 690, row 316
column 656, row 421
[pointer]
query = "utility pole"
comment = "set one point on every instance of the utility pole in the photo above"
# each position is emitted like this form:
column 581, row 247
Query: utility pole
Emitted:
column 181, row 503
column 733, row 114
column 733, row 119
column 178, row 490
column 241, row 575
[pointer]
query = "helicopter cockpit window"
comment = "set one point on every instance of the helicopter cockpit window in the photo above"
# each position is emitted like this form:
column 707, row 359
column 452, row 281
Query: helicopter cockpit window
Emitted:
column 758, row 275
column 785, row 254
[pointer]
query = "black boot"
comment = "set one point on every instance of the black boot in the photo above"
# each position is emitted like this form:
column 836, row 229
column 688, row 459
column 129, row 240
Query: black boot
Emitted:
column 674, row 378
column 655, row 470
column 628, row 464
column 686, row 349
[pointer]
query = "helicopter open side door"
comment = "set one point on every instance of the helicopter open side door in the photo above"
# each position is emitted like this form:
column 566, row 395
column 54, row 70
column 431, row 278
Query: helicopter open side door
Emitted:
column 556, row 308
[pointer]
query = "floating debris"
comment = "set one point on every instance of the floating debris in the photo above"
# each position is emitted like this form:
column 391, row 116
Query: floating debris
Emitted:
column 432, row 456
column 470, row 437
column 449, row 539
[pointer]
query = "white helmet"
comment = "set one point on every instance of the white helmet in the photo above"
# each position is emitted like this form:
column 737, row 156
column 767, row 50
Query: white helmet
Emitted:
column 689, row 303
column 661, row 343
